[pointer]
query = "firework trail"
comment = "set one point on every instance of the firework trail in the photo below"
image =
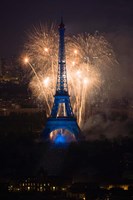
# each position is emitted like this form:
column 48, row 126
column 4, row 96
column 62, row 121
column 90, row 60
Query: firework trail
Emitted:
column 89, row 59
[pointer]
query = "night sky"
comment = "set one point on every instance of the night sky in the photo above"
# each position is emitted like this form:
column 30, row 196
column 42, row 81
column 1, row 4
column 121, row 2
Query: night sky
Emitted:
column 18, row 17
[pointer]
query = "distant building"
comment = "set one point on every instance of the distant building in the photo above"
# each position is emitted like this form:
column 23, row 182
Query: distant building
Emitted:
column 36, row 185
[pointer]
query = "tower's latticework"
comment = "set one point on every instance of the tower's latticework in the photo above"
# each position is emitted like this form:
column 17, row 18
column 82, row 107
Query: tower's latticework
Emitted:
column 62, row 116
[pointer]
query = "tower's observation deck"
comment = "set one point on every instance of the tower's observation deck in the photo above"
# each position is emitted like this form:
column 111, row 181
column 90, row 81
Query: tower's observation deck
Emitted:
column 62, row 117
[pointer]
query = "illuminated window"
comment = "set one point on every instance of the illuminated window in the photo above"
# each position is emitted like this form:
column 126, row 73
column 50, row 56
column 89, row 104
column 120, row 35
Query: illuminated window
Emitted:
column 28, row 188
column 63, row 189
column 125, row 187
column 54, row 188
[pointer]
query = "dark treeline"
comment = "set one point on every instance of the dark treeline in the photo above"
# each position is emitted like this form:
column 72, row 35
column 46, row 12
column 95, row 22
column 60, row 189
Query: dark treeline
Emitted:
column 21, row 124
column 24, row 155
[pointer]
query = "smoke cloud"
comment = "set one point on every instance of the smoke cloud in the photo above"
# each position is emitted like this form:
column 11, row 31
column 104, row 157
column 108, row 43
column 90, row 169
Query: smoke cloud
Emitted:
column 99, row 127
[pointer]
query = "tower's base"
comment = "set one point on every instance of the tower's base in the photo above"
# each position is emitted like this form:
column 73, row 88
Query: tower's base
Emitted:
column 69, row 124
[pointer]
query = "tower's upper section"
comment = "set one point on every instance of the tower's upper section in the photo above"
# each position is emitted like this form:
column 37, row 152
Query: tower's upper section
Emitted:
column 61, row 86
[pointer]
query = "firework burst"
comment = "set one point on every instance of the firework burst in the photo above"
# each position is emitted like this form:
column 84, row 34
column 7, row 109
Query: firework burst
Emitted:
column 89, row 61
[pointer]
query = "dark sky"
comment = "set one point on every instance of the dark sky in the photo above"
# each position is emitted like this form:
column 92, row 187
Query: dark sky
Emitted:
column 18, row 16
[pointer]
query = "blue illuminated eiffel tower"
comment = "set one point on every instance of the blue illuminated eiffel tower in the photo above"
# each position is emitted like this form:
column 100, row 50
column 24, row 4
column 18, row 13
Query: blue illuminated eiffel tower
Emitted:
column 62, row 116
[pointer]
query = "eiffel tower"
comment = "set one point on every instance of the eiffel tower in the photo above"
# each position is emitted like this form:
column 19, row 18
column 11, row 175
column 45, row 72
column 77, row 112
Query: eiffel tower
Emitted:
column 62, row 117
